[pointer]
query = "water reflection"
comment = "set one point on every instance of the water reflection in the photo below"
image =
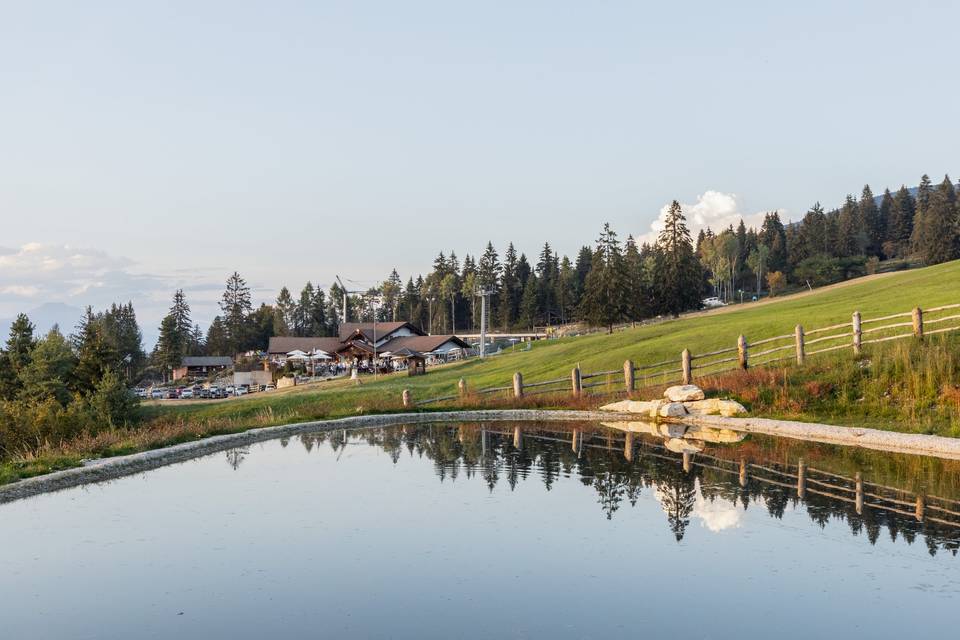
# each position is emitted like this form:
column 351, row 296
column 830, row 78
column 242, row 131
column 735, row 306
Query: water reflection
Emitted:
column 709, row 475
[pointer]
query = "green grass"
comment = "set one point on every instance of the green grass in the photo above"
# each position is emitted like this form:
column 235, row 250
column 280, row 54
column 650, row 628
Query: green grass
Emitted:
column 905, row 394
column 877, row 296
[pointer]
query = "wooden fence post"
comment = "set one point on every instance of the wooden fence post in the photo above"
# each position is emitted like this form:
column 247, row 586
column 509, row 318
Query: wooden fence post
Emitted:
column 918, row 322
column 742, row 356
column 628, row 380
column 462, row 387
column 576, row 382
column 518, row 385
column 801, row 349
column 686, row 366
column 857, row 334
column 407, row 401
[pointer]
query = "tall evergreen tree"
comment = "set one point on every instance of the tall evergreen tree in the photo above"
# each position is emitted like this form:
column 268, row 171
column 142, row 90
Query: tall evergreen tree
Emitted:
column 678, row 268
column 604, row 301
column 284, row 313
column 236, row 307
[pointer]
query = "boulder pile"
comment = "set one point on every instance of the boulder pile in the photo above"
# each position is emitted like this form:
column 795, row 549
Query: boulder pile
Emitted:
column 677, row 402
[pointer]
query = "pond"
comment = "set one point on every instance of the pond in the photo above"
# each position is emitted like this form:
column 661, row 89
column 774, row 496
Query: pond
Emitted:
column 495, row 530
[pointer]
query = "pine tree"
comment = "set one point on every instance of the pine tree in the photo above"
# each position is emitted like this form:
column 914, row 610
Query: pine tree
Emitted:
column 870, row 221
column 901, row 224
column 20, row 343
column 678, row 269
column 604, row 301
column 171, row 346
column 236, row 307
column 49, row 370
column 918, row 239
column 284, row 313
column 887, row 215
column 217, row 342
column 95, row 354
column 529, row 304
column 940, row 241
column 180, row 311
column 633, row 268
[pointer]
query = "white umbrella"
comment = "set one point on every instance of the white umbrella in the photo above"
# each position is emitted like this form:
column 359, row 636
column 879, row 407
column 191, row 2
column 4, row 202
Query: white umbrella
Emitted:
column 295, row 353
column 321, row 355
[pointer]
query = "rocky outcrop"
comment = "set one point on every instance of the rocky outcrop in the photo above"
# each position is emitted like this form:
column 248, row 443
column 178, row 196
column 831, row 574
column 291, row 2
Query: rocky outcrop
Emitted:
column 679, row 401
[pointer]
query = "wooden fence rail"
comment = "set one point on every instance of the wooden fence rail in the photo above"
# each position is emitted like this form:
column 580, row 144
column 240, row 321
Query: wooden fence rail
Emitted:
column 789, row 346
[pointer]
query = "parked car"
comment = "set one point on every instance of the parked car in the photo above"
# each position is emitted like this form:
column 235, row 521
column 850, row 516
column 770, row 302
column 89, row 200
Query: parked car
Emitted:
column 229, row 390
column 186, row 394
column 172, row 394
column 241, row 391
column 157, row 394
column 713, row 302
column 269, row 387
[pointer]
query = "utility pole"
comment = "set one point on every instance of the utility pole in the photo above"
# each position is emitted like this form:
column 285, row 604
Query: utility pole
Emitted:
column 483, row 321
column 343, row 288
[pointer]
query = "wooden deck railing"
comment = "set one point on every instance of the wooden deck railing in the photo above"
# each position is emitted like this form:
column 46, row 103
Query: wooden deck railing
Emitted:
column 688, row 366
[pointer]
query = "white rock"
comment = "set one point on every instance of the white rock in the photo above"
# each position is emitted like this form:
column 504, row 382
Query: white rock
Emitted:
column 683, row 393
column 633, row 406
column 703, row 407
column 730, row 408
column 672, row 410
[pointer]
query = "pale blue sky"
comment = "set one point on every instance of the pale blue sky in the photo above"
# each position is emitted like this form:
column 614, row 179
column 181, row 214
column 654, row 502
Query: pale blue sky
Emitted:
column 169, row 145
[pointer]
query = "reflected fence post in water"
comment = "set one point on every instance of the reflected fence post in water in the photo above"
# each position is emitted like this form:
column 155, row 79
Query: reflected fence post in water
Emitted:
column 921, row 507
column 743, row 473
column 573, row 443
column 686, row 462
column 801, row 479
column 517, row 438
column 628, row 446
column 859, row 495
column 483, row 443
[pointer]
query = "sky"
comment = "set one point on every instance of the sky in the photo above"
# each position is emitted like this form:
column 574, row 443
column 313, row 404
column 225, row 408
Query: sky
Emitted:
column 150, row 146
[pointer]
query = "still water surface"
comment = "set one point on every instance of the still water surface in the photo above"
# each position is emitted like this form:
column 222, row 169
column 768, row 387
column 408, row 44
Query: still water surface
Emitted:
column 487, row 531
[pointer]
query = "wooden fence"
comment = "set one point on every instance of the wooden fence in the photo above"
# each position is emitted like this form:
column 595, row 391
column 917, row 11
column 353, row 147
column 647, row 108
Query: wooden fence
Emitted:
column 794, row 347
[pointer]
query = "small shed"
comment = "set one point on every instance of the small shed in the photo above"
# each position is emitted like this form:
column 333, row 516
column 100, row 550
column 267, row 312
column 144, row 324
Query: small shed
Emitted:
column 416, row 361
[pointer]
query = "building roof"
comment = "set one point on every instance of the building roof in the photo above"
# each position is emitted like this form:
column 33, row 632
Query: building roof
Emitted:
column 286, row 344
column 206, row 361
column 384, row 329
column 423, row 344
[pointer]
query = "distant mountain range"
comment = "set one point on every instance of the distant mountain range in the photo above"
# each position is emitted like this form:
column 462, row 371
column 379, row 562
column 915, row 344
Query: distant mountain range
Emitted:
column 45, row 316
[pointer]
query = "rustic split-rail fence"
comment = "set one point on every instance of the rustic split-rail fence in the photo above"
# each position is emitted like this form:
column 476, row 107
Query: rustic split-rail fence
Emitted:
column 790, row 347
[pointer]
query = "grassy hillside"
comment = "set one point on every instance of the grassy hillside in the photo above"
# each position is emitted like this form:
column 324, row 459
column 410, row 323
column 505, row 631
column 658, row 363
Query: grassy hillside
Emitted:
column 873, row 296
column 911, row 388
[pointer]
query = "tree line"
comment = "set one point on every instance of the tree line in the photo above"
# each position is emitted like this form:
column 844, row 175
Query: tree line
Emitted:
column 54, row 388
column 605, row 283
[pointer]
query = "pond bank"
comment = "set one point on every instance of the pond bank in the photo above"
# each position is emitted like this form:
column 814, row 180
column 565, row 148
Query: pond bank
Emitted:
column 115, row 467
column 891, row 441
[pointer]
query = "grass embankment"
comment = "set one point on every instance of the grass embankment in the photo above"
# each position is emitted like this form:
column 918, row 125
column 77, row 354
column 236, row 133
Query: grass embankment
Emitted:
column 901, row 386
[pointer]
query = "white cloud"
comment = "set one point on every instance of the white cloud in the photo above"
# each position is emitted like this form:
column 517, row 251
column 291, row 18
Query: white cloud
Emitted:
column 714, row 209
column 717, row 514
column 21, row 291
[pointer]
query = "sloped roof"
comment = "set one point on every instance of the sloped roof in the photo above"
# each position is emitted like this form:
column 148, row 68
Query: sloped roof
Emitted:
column 206, row 361
column 384, row 329
column 423, row 344
column 286, row 344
